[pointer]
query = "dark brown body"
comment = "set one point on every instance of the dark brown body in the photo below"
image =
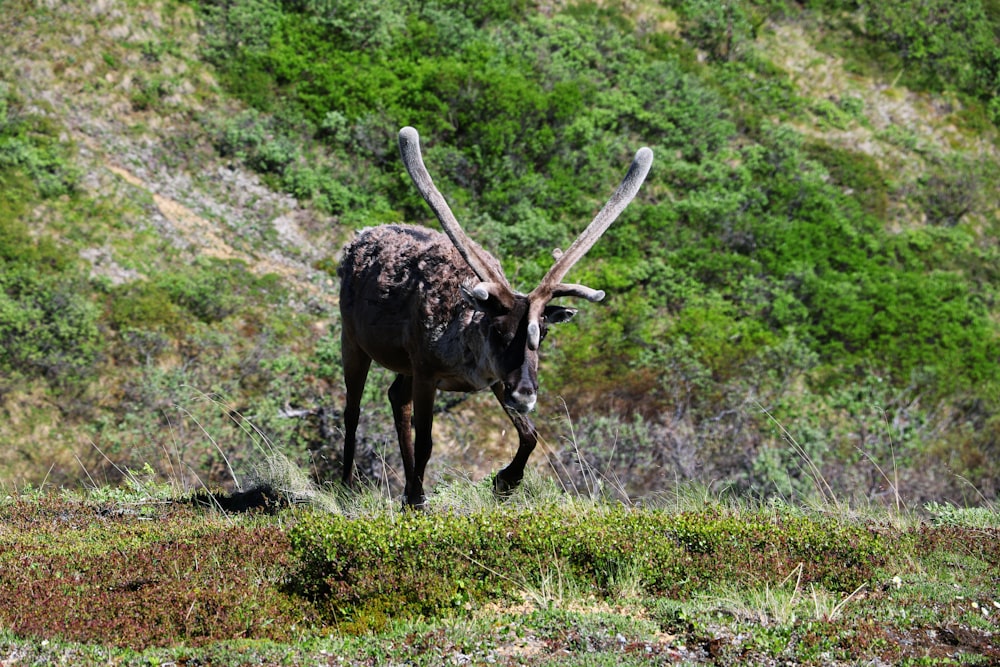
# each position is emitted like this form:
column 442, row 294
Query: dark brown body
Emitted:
column 405, row 303
column 401, row 303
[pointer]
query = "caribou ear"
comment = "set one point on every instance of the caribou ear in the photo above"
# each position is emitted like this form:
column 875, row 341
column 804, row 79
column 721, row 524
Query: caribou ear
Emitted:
column 481, row 298
column 559, row 314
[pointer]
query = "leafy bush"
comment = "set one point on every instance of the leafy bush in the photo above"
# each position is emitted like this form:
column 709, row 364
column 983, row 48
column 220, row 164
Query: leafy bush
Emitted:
column 146, row 306
column 363, row 572
column 17, row 245
column 858, row 173
column 951, row 191
column 47, row 328
column 30, row 144
column 722, row 29
column 950, row 45
column 214, row 290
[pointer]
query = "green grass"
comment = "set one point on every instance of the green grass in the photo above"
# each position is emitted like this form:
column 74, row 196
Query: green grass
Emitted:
column 142, row 578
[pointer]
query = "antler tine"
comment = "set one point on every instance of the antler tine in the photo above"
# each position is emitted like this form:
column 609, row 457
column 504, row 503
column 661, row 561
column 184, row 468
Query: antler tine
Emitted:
column 634, row 178
column 409, row 148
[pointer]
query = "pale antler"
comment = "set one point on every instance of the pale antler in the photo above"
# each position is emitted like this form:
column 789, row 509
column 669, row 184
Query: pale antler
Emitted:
column 551, row 287
column 493, row 282
column 616, row 204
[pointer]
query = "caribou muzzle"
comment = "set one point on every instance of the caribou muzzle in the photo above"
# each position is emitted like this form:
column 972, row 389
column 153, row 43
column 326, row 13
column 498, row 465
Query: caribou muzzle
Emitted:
column 520, row 400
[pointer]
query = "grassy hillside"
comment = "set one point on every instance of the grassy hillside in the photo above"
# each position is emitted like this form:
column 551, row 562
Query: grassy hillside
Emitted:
column 802, row 301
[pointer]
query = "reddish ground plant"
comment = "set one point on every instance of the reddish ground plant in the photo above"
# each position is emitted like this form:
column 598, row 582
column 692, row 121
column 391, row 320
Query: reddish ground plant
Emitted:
column 143, row 577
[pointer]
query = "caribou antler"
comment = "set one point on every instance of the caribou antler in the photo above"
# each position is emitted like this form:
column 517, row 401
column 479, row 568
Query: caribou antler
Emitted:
column 551, row 287
column 616, row 204
column 493, row 282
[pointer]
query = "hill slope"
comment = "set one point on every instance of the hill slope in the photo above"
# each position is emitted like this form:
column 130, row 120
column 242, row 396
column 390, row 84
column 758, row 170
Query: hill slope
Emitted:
column 802, row 300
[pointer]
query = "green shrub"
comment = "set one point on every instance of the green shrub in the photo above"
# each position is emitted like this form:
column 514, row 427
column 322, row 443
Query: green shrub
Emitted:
column 915, row 322
column 718, row 339
column 31, row 144
column 212, row 290
column 143, row 305
column 48, row 325
column 363, row 571
column 952, row 190
column 17, row 245
column 723, row 29
column 948, row 45
column 48, row 329
column 857, row 173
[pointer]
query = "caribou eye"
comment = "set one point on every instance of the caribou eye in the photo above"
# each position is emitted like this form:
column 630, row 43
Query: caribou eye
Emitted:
column 505, row 334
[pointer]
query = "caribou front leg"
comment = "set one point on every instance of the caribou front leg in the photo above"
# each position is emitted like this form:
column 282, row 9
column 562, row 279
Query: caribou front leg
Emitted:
column 510, row 477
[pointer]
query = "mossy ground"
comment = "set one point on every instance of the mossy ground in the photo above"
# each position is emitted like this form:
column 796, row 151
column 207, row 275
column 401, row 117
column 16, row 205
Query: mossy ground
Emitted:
column 543, row 579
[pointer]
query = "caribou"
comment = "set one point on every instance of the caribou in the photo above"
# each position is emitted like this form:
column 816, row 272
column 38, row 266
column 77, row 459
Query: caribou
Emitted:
column 437, row 310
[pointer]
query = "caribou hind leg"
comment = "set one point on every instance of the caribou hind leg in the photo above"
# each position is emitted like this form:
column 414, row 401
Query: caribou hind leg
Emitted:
column 356, row 365
column 413, row 409
column 510, row 477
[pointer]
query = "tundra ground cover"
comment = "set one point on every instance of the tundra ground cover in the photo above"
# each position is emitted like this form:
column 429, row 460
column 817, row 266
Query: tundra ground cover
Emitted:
column 548, row 577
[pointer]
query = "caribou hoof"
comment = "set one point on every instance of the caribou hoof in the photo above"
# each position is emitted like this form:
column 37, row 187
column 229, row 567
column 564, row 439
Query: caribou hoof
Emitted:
column 415, row 503
column 502, row 487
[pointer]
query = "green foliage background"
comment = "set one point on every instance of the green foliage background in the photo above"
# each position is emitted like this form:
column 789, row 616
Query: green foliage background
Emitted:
column 764, row 267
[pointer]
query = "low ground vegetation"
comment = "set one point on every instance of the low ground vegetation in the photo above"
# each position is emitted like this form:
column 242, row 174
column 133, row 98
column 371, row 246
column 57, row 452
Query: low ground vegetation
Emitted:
column 142, row 577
